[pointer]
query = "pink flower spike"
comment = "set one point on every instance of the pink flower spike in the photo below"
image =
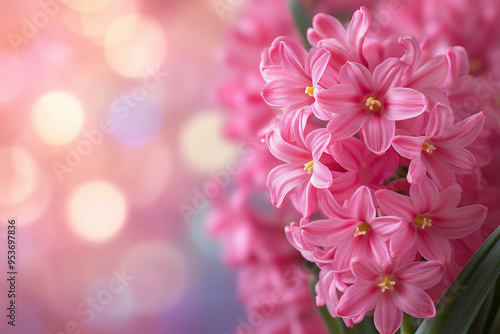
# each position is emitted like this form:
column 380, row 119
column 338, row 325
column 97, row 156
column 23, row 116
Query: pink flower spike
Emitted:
column 390, row 290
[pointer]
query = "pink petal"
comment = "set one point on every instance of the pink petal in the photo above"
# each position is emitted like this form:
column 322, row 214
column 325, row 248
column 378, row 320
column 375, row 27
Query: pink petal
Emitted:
column 358, row 299
column 348, row 249
column 438, row 171
column 285, row 151
column 450, row 199
column 381, row 166
column 329, row 232
column 421, row 274
column 433, row 245
column 361, row 205
column 327, row 26
column 321, row 113
column 380, row 251
column 283, row 93
column 458, row 159
column 403, row 240
column 408, row 146
column 340, row 99
column 466, row 132
column 348, row 153
column 460, row 222
column 282, row 179
column 458, row 62
column 425, row 195
column 386, row 225
column 387, row 75
column 307, row 198
column 321, row 176
column 365, row 270
column 378, row 133
column 431, row 74
column 317, row 141
column 403, row 103
column 357, row 75
column 316, row 63
column 440, row 121
column 345, row 126
column 344, row 185
column 414, row 301
column 332, row 209
column 387, row 316
column 417, row 170
column 412, row 54
column 293, row 58
column 395, row 204
column 357, row 30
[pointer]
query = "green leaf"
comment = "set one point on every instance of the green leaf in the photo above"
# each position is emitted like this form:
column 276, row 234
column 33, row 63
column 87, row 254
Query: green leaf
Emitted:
column 407, row 326
column 459, row 306
column 302, row 20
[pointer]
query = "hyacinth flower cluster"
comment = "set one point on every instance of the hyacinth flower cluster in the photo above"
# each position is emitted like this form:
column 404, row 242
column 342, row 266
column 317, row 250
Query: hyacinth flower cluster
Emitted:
column 383, row 169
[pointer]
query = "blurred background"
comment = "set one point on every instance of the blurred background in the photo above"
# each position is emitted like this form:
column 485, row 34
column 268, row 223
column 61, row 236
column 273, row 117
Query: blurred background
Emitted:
column 107, row 138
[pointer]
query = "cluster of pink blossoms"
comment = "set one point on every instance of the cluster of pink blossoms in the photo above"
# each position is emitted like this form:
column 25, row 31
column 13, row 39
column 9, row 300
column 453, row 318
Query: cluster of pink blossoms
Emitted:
column 383, row 168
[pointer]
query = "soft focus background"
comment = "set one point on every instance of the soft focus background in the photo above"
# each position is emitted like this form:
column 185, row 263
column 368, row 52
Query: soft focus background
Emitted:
column 106, row 134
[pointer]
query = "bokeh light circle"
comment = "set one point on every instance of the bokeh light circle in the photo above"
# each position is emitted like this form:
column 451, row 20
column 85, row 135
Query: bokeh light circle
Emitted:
column 115, row 298
column 87, row 6
column 159, row 272
column 12, row 78
column 203, row 144
column 139, row 123
column 97, row 211
column 18, row 175
column 57, row 117
column 133, row 44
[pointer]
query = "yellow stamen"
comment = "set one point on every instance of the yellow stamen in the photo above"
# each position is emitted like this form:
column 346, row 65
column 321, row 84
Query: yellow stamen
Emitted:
column 309, row 167
column 428, row 147
column 310, row 91
column 373, row 104
column 422, row 222
column 361, row 229
column 387, row 284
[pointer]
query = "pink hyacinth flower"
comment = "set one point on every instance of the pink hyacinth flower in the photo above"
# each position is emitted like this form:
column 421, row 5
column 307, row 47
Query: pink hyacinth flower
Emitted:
column 293, row 76
column 370, row 102
column 355, row 230
column 432, row 218
column 303, row 169
column 391, row 290
column 345, row 44
column 441, row 151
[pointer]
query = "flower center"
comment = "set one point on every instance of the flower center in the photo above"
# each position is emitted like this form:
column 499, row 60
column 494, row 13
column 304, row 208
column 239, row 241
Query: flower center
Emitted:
column 309, row 167
column 422, row 222
column 361, row 229
column 373, row 104
column 428, row 147
column 310, row 91
column 387, row 284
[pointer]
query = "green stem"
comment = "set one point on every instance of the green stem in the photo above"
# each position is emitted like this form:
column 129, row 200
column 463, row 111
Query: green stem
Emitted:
column 407, row 325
